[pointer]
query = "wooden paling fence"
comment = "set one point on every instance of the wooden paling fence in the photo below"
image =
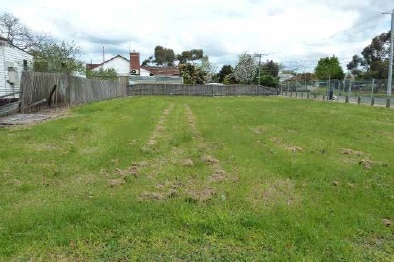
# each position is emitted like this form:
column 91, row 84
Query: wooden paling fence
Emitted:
column 47, row 90
column 200, row 90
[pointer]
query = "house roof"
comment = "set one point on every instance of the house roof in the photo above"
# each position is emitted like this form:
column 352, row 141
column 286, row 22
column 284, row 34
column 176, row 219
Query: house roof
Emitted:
column 3, row 38
column 162, row 71
column 93, row 66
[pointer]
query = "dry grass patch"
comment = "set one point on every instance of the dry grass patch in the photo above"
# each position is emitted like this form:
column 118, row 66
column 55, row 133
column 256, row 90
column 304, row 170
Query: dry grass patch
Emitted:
column 259, row 130
column 201, row 195
column 288, row 147
column 209, row 160
column 274, row 192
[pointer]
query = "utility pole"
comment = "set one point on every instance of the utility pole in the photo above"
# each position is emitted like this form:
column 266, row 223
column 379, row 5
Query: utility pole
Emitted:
column 259, row 56
column 390, row 74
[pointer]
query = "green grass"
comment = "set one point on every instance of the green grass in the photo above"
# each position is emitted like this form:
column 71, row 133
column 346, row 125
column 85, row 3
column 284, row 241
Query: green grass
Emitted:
column 184, row 178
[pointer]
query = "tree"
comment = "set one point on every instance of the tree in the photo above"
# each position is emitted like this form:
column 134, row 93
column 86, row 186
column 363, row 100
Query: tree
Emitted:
column 148, row 61
column 230, row 79
column 164, row 56
column 329, row 68
column 355, row 66
column 226, row 70
column 57, row 58
column 245, row 70
column 192, row 74
column 375, row 59
column 208, row 68
column 18, row 34
column 271, row 68
column 268, row 74
column 107, row 74
column 190, row 56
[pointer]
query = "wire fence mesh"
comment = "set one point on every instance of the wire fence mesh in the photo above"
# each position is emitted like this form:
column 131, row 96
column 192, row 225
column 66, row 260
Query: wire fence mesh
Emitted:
column 372, row 91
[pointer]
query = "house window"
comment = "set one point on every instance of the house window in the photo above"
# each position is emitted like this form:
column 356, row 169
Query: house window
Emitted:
column 25, row 64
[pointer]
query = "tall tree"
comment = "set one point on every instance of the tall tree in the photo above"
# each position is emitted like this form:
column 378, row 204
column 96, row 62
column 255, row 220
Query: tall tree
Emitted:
column 245, row 70
column 164, row 56
column 226, row 70
column 18, row 34
column 329, row 68
column 271, row 68
column 190, row 56
column 375, row 59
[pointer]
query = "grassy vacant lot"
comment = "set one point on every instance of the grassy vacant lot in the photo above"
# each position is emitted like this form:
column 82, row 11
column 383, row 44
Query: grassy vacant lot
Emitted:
column 184, row 178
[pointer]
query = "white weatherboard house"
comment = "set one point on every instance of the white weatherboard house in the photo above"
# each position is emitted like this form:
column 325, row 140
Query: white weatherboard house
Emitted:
column 135, row 73
column 13, row 61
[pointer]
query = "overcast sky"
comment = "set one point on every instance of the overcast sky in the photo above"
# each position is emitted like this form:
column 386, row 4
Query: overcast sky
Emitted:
column 295, row 33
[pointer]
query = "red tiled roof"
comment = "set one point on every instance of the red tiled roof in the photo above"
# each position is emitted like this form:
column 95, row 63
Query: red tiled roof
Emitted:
column 163, row 71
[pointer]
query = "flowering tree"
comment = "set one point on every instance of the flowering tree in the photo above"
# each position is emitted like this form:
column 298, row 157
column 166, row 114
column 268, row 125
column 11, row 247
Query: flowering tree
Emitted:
column 246, row 68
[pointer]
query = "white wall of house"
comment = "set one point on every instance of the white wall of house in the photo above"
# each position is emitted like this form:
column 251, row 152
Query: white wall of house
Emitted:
column 144, row 72
column 11, row 67
column 121, row 66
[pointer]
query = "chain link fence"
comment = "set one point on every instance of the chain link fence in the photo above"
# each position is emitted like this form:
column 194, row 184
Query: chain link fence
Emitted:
column 372, row 92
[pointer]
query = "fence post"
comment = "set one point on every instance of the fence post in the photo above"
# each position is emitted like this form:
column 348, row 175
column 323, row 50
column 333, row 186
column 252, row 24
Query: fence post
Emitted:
column 372, row 97
column 347, row 98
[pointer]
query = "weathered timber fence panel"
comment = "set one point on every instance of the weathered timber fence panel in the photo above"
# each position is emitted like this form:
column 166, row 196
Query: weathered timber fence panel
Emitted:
column 199, row 90
column 50, row 89
column 47, row 89
column 89, row 90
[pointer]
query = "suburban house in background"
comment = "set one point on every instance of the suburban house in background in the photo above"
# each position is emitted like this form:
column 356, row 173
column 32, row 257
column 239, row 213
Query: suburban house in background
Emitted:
column 119, row 63
column 13, row 61
column 137, row 74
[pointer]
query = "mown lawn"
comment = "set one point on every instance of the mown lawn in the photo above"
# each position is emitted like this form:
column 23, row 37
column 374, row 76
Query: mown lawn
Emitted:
column 196, row 179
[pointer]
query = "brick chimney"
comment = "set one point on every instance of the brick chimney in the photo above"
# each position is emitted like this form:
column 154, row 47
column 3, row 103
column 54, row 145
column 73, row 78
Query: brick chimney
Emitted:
column 135, row 63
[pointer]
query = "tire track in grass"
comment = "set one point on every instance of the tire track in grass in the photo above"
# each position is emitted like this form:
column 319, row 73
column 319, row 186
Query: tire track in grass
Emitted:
column 184, row 182
column 219, row 173
column 135, row 167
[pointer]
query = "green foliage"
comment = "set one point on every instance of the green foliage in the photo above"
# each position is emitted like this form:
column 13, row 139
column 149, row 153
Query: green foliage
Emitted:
column 230, row 79
column 267, row 79
column 200, row 179
column 164, row 56
column 190, row 56
column 107, row 74
column 57, row 58
column 268, row 74
column 271, row 68
column 192, row 74
column 329, row 67
column 375, row 59
column 226, row 70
